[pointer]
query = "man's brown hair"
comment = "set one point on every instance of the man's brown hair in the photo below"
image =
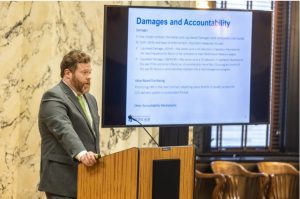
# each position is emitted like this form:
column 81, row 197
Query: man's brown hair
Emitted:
column 71, row 60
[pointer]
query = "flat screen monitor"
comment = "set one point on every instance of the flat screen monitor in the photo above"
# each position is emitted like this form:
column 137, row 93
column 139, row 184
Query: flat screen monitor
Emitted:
column 182, row 66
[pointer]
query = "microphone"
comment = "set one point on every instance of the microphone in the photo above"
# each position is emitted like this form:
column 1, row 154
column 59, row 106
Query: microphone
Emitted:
column 97, row 156
column 132, row 118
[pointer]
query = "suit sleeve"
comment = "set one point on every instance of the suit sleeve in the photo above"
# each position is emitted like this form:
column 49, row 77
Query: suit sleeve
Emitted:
column 53, row 113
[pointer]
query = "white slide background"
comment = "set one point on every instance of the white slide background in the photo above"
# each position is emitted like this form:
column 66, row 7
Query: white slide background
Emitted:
column 188, row 74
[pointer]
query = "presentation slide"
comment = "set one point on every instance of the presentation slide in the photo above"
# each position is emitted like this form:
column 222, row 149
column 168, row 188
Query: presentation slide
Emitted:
column 186, row 66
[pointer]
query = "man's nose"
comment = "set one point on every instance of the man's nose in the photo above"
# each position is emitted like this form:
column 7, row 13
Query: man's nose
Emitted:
column 89, row 76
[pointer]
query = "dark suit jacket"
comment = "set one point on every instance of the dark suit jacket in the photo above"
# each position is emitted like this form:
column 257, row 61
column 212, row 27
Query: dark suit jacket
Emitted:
column 65, row 132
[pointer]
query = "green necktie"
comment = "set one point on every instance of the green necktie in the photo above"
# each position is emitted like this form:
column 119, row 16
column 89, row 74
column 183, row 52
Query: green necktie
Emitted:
column 82, row 104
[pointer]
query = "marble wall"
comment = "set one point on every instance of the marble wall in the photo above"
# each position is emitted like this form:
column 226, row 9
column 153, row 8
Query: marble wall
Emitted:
column 34, row 37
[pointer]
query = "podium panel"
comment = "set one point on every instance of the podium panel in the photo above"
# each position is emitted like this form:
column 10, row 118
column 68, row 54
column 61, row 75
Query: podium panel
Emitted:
column 165, row 179
column 140, row 174
column 186, row 155
column 114, row 176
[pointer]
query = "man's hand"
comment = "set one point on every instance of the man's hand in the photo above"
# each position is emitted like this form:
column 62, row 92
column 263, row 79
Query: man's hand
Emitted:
column 89, row 158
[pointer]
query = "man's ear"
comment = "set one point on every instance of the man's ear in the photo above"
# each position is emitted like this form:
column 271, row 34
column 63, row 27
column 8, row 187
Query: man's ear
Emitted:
column 67, row 73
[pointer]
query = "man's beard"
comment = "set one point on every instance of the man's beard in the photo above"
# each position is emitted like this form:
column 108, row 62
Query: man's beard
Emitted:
column 79, row 86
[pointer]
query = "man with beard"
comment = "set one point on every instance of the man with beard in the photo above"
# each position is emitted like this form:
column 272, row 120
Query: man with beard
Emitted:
column 69, row 127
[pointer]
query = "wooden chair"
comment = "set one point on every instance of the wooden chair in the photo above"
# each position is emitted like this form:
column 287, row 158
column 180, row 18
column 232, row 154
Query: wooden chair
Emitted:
column 209, row 185
column 240, row 183
column 284, row 180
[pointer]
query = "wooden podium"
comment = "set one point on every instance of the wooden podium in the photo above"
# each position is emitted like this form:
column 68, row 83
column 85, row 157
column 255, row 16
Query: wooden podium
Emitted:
column 144, row 173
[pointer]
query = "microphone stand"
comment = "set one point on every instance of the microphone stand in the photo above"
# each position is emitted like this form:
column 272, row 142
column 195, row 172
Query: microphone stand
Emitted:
column 131, row 118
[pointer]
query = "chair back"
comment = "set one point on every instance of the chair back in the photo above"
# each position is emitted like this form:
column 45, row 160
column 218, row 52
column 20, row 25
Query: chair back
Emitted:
column 240, row 183
column 209, row 185
column 284, row 180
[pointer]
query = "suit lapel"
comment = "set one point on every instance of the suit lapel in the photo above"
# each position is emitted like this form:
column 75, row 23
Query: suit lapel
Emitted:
column 69, row 93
